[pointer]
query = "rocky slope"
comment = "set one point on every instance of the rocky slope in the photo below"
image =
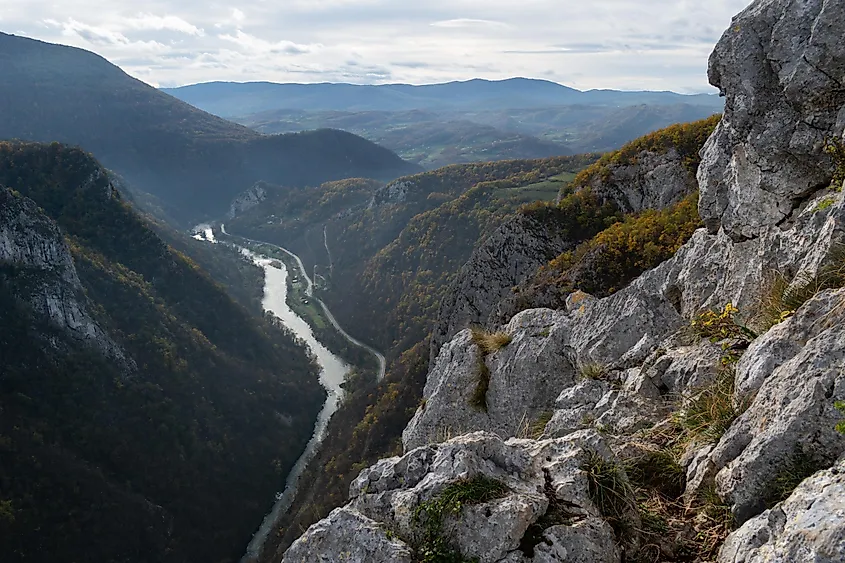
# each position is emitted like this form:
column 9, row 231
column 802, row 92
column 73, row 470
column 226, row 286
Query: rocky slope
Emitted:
column 45, row 275
column 701, row 397
column 654, row 172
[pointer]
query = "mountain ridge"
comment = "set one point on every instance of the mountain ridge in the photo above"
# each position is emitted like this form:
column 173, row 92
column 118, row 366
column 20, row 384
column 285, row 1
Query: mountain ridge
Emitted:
column 194, row 161
column 254, row 97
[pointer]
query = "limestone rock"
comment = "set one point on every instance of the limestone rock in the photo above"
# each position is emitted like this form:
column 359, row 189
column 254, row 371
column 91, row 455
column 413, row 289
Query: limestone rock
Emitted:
column 347, row 536
column 251, row 198
column 792, row 417
column 45, row 276
column 503, row 260
column 656, row 181
column 809, row 527
column 543, row 478
column 780, row 66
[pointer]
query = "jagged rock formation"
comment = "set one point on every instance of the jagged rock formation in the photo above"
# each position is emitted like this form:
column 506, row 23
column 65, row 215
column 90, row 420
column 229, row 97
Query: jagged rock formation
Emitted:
column 45, row 276
column 629, row 365
column 253, row 197
column 810, row 526
column 543, row 479
column 504, row 259
column 780, row 66
column 481, row 294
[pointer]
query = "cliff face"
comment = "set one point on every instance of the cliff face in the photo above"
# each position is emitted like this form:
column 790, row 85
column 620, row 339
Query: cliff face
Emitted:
column 710, row 382
column 37, row 265
column 655, row 172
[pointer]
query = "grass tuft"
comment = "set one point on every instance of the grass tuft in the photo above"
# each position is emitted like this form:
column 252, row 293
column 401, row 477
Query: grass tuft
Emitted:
column 610, row 491
column 490, row 342
column 709, row 413
column 539, row 426
column 799, row 467
column 482, row 376
column 432, row 546
column 783, row 297
column 659, row 470
column 594, row 371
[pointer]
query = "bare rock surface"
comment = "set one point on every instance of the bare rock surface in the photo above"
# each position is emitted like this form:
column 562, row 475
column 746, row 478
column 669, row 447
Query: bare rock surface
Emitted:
column 792, row 418
column 780, row 66
column 45, row 276
column 809, row 527
column 543, row 478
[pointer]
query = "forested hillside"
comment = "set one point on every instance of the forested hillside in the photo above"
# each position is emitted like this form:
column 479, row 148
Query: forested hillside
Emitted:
column 192, row 161
column 169, row 445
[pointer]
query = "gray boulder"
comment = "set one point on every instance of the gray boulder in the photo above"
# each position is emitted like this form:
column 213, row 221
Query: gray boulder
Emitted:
column 548, row 492
column 809, row 527
column 350, row 537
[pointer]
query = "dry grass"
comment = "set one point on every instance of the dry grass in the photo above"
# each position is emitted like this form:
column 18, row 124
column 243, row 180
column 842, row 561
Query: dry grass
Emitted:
column 782, row 297
column 490, row 342
column 595, row 371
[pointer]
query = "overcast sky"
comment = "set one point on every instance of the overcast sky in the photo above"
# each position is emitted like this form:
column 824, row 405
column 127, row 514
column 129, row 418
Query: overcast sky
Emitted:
column 620, row 44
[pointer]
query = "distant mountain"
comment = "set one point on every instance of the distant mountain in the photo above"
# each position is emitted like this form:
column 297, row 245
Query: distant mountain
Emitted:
column 425, row 137
column 192, row 161
column 238, row 99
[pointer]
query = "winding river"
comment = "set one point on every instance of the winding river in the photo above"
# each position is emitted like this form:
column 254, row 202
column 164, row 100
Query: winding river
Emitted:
column 333, row 370
column 332, row 373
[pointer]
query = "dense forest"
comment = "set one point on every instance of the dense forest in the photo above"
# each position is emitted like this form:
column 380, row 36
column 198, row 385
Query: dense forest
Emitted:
column 194, row 162
column 178, row 457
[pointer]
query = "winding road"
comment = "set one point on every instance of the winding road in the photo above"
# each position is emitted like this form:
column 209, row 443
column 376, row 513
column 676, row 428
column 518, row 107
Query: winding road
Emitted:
column 309, row 291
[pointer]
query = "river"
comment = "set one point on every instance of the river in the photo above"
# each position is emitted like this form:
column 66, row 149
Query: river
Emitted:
column 333, row 370
column 332, row 374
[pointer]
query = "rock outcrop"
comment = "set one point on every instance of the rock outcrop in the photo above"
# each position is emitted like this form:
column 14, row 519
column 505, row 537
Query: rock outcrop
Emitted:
column 482, row 292
column 809, row 526
column 251, row 198
column 546, row 496
column 505, row 259
column 41, row 272
column 606, row 375
column 781, row 67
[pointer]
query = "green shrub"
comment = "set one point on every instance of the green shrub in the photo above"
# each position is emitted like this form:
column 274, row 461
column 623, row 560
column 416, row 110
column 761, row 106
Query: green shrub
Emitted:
column 836, row 150
column 840, row 406
column 433, row 546
column 610, row 491
column 721, row 325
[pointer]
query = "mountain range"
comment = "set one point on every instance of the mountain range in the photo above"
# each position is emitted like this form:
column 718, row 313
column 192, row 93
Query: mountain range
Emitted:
column 458, row 122
column 233, row 99
column 192, row 161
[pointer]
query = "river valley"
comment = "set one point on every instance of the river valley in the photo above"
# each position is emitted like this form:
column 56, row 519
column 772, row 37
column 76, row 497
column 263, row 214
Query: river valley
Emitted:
column 333, row 369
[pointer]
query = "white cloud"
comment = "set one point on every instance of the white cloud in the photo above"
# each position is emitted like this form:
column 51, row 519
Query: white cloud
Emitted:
column 258, row 45
column 623, row 44
column 468, row 22
column 160, row 23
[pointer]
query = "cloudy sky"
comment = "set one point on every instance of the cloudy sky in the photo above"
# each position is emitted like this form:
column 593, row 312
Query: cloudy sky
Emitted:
column 620, row 44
